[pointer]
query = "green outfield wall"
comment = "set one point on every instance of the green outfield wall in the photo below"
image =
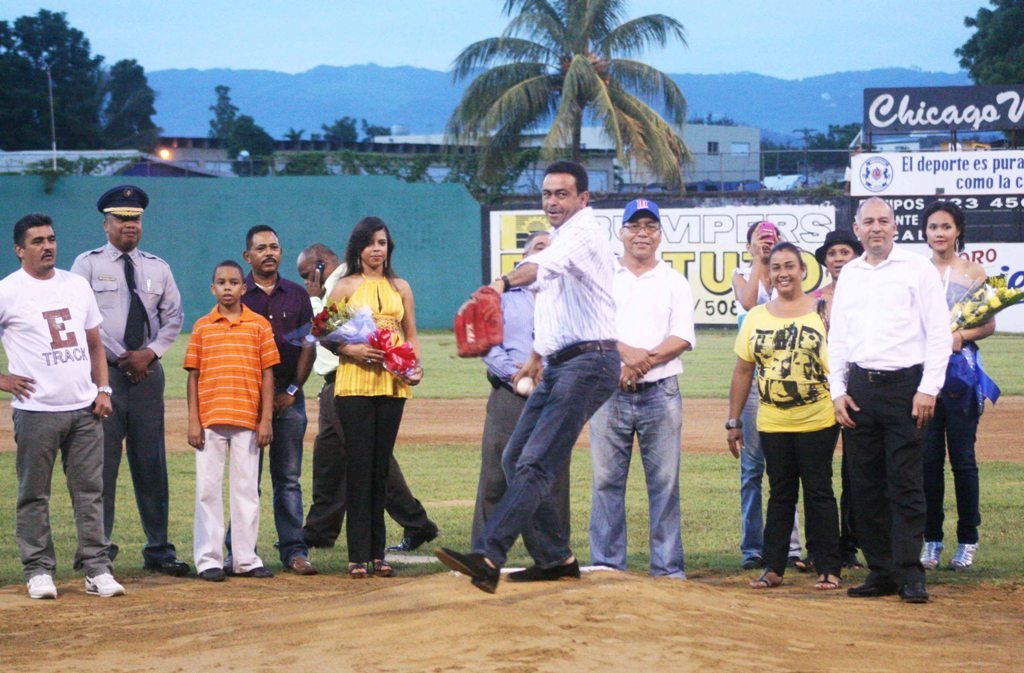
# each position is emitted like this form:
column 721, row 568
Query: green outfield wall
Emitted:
column 194, row 223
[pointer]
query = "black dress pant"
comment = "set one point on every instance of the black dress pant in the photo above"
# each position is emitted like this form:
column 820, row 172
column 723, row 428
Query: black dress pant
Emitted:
column 847, row 536
column 887, row 474
column 326, row 514
column 793, row 459
column 370, row 425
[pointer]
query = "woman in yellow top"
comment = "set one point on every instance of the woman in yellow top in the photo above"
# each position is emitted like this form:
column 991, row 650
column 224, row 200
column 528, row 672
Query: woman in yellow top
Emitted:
column 785, row 340
column 370, row 399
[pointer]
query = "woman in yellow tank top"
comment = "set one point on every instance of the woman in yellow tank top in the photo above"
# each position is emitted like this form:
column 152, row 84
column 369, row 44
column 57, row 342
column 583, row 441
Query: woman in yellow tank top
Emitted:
column 369, row 399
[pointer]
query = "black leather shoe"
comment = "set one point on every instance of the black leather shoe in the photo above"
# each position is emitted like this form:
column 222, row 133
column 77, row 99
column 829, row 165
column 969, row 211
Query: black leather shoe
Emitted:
column 914, row 592
column 569, row 571
column 872, row 590
column 213, row 575
column 483, row 576
column 260, row 572
column 753, row 563
column 171, row 566
column 413, row 542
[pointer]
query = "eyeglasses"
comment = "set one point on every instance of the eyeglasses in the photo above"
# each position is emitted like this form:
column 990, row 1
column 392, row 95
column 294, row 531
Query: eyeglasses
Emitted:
column 636, row 227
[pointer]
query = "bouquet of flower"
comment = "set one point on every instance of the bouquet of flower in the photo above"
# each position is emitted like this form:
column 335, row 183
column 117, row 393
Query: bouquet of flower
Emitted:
column 399, row 360
column 981, row 301
column 342, row 324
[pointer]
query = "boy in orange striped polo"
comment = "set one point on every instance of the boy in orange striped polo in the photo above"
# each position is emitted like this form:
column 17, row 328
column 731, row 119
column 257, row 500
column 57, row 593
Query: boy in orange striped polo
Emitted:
column 230, row 406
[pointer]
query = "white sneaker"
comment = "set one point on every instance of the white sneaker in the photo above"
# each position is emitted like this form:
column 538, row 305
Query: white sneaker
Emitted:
column 41, row 586
column 963, row 558
column 931, row 555
column 103, row 585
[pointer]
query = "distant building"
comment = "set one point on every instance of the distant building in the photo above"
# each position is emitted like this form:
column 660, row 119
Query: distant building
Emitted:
column 726, row 158
column 99, row 163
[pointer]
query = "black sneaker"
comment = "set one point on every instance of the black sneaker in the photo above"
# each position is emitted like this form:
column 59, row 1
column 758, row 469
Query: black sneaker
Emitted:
column 213, row 575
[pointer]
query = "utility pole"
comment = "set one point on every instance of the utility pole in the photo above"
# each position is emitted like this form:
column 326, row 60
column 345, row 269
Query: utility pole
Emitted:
column 53, row 125
column 806, row 133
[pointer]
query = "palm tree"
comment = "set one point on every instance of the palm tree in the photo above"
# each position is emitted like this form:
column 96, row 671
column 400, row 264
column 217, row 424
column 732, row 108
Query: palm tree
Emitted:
column 558, row 58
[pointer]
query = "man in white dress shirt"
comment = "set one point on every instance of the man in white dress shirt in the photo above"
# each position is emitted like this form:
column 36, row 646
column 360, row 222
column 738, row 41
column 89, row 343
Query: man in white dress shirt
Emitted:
column 888, row 345
column 574, row 333
column 654, row 321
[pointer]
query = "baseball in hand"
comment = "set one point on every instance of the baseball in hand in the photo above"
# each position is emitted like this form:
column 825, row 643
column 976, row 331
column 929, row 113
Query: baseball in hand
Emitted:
column 525, row 386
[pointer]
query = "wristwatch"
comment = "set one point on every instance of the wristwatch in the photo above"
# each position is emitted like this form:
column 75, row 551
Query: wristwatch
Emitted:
column 506, row 286
column 734, row 424
column 105, row 389
column 292, row 389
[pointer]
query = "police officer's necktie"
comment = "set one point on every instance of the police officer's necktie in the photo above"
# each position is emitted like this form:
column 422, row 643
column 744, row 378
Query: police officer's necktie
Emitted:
column 135, row 326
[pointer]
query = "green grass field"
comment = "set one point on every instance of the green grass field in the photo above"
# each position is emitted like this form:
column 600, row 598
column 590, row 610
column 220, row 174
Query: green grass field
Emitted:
column 444, row 478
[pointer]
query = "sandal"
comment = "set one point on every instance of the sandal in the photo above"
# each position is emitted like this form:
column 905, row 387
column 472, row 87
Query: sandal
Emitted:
column 769, row 579
column 357, row 571
column 382, row 568
column 827, row 583
column 801, row 565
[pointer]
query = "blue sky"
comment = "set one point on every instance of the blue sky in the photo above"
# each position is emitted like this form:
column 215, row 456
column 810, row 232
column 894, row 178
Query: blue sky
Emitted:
column 790, row 40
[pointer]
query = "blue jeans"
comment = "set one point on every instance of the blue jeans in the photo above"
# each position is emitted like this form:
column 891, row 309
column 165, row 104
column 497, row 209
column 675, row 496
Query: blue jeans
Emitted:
column 539, row 448
column 285, row 470
column 655, row 416
column 751, row 476
column 958, row 431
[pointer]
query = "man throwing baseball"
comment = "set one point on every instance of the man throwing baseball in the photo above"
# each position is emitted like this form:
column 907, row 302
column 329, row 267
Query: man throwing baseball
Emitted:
column 575, row 336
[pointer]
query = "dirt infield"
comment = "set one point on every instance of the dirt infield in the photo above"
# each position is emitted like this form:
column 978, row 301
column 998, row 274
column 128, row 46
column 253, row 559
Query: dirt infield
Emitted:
column 606, row 621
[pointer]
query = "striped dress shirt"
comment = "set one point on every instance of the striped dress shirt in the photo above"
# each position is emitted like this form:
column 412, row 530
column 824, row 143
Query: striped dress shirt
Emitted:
column 575, row 301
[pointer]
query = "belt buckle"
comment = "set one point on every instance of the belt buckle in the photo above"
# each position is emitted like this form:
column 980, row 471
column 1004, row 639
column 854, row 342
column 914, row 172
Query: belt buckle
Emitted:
column 875, row 377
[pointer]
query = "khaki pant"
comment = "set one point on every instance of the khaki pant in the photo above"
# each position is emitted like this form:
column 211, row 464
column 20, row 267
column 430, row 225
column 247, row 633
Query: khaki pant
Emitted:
column 78, row 437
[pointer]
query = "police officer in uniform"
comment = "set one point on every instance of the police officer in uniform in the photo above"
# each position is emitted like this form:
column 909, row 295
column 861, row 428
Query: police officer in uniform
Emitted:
column 142, row 316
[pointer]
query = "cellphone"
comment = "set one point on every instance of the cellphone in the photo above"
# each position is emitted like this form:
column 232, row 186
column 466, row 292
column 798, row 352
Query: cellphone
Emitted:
column 320, row 266
column 768, row 230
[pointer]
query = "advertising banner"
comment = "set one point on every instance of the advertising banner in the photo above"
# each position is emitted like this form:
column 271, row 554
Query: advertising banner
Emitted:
column 704, row 244
column 937, row 173
column 944, row 108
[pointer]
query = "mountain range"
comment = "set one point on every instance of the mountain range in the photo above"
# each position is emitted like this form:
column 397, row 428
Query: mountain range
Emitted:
column 422, row 100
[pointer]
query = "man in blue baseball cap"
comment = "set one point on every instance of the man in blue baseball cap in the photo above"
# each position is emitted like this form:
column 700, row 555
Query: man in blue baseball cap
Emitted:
column 655, row 325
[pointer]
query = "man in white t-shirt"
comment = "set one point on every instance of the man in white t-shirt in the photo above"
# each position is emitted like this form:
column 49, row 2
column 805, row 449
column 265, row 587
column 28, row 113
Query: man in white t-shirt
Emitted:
column 50, row 329
column 654, row 323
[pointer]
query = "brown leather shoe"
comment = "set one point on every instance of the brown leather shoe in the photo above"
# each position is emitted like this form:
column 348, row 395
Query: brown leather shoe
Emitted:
column 300, row 565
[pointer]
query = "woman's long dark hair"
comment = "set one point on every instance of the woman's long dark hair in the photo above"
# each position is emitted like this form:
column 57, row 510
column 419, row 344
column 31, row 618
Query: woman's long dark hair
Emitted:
column 360, row 238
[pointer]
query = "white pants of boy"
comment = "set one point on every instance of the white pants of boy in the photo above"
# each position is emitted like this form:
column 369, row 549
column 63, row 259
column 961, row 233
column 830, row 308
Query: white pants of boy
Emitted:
column 240, row 445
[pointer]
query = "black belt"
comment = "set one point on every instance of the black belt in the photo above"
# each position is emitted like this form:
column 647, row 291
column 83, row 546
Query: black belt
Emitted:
column 640, row 387
column 499, row 383
column 890, row 376
column 330, row 376
column 569, row 352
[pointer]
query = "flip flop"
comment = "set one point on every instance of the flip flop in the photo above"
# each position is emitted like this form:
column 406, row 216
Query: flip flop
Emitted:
column 825, row 583
column 766, row 582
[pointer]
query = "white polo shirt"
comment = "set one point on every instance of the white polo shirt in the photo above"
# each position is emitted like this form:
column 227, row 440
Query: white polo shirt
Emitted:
column 650, row 307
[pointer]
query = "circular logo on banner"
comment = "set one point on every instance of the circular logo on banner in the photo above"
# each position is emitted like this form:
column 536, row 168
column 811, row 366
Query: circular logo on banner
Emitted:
column 876, row 174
